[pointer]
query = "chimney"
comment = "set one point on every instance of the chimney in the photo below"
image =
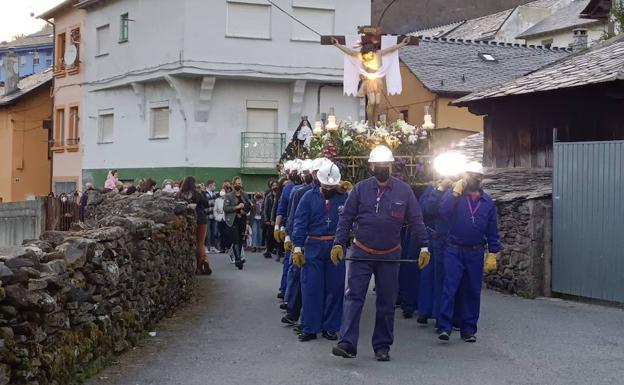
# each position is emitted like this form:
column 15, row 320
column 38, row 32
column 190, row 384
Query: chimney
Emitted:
column 580, row 40
column 11, row 69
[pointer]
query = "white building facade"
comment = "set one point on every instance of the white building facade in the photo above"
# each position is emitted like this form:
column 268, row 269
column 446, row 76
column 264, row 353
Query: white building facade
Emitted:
column 207, row 88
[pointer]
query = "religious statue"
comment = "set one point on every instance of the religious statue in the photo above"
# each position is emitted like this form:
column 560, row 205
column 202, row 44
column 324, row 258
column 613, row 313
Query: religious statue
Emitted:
column 373, row 72
column 300, row 142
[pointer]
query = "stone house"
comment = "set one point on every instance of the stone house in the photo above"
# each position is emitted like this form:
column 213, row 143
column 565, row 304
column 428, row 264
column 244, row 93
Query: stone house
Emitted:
column 439, row 70
column 215, row 91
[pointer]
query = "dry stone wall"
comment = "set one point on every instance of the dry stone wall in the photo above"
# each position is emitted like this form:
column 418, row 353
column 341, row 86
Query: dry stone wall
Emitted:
column 70, row 300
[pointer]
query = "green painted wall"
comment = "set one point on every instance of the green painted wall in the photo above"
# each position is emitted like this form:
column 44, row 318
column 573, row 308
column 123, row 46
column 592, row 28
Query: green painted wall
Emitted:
column 253, row 180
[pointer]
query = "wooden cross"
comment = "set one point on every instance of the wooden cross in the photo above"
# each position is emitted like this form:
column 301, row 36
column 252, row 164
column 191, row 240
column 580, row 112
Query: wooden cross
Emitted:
column 369, row 35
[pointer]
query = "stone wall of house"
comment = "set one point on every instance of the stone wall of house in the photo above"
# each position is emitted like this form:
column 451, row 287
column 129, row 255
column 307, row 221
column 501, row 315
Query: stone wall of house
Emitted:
column 524, row 201
column 70, row 300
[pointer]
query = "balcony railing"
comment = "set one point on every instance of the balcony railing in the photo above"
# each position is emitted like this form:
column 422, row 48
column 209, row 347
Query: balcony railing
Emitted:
column 261, row 149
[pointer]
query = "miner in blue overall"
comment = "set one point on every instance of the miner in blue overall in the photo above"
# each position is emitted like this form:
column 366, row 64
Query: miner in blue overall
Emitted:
column 430, row 288
column 473, row 230
column 309, row 169
column 322, row 279
column 376, row 210
column 281, row 216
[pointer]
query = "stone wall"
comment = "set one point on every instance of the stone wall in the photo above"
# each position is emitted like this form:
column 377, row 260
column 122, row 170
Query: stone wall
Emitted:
column 524, row 201
column 70, row 300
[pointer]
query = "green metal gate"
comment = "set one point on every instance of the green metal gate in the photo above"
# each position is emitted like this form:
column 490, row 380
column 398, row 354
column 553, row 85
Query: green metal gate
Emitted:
column 588, row 210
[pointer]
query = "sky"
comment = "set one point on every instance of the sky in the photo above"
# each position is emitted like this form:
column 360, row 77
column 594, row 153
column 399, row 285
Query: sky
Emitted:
column 15, row 16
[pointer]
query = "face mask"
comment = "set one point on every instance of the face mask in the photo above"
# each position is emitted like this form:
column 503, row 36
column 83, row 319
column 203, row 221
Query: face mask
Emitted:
column 382, row 174
column 222, row 193
column 328, row 194
column 308, row 179
column 237, row 188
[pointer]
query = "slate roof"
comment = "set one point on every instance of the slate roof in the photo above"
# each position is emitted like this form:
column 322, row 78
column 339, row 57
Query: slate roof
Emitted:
column 512, row 184
column 601, row 63
column 566, row 18
column 43, row 37
column 597, row 9
column 482, row 28
column 454, row 66
column 25, row 86
column 471, row 147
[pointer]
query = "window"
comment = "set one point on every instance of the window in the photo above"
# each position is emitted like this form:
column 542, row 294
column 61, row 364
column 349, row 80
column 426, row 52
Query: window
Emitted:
column 160, row 121
column 60, row 49
column 35, row 61
column 123, row 28
column 48, row 62
column 248, row 20
column 102, row 40
column 321, row 20
column 59, row 128
column 23, row 60
column 405, row 115
column 547, row 43
column 72, row 134
column 261, row 116
column 106, row 120
column 64, row 188
column 487, row 57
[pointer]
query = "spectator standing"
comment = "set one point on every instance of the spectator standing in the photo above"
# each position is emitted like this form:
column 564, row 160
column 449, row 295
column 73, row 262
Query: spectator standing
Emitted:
column 219, row 215
column 267, row 209
column 236, row 206
column 191, row 195
column 211, row 195
column 256, row 217
column 84, row 199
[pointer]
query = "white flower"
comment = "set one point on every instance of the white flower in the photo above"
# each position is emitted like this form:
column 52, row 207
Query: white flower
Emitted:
column 360, row 127
column 380, row 131
column 406, row 128
column 346, row 139
column 412, row 139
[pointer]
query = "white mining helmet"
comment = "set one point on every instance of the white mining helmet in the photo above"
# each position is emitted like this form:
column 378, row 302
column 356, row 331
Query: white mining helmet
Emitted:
column 381, row 154
column 328, row 174
column 318, row 162
column 474, row 167
column 288, row 166
column 306, row 165
column 296, row 166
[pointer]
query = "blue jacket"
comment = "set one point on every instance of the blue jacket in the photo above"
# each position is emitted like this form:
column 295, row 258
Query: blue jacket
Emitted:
column 295, row 198
column 463, row 230
column 313, row 212
column 378, row 215
column 430, row 205
column 428, row 218
column 282, row 205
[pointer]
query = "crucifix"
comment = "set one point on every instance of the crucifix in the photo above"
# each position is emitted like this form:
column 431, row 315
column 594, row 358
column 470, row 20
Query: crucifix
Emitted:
column 370, row 66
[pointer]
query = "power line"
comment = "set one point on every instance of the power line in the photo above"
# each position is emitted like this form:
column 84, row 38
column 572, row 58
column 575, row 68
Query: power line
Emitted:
column 292, row 17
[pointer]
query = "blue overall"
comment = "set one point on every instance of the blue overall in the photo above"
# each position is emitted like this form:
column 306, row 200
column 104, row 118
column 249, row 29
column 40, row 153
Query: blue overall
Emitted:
column 293, row 282
column 426, row 287
column 409, row 274
column 282, row 210
column 472, row 227
column 322, row 282
column 377, row 215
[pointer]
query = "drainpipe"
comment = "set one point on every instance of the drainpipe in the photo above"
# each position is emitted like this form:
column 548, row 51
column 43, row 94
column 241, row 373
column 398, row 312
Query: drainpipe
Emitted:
column 52, row 96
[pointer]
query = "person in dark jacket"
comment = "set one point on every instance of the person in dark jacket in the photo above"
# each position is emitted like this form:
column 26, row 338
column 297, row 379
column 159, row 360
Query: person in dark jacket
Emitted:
column 269, row 202
column 236, row 206
column 84, row 199
column 192, row 196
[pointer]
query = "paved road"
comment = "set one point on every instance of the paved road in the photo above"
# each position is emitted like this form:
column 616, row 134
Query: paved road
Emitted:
column 231, row 335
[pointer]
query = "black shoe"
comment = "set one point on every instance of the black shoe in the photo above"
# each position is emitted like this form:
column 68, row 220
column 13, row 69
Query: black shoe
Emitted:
column 444, row 336
column 407, row 314
column 423, row 320
column 332, row 336
column 284, row 306
column 382, row 356
column 267, row 256
column 288, row 321
column 343, row 350
column 469, row 338
column 306, row 337
column 280, row 295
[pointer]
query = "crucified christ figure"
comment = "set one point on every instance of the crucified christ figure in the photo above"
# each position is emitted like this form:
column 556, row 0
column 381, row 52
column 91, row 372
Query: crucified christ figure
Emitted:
column 372, row 82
